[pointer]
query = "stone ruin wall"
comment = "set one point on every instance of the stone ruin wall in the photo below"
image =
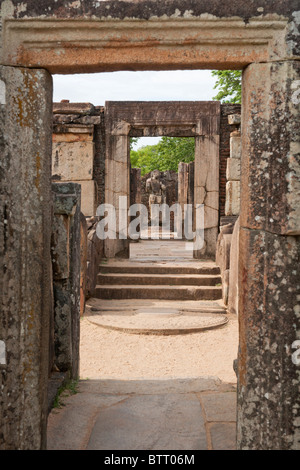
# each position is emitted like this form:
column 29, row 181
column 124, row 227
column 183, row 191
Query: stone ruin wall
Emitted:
column 78, row 151
column 227, row 253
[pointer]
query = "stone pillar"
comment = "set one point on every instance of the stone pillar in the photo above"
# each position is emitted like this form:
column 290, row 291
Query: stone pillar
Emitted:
column 135, row 186
column 66, row 260
column 233, row 170
column 25, row 263
column 183, row 183
column 190, row 195
column 117, row 184
column 206, row 181
column 73, row 154
column 269, row 259
column 83, row 262
column 233, row 291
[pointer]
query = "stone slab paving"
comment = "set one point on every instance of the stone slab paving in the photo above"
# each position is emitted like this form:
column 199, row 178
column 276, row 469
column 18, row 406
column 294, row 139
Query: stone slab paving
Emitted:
column 157, row 414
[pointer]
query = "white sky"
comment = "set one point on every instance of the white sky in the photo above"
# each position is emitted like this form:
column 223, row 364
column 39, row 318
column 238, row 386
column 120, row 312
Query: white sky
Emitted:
column 181, row 85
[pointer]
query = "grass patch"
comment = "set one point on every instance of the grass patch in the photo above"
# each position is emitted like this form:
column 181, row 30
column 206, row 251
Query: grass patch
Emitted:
column 66, row 390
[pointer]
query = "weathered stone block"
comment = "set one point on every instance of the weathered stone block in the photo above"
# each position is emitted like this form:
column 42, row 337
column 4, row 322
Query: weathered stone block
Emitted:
column 66, row 200
column 72, row 161
column 25, row 263
column 83, row 262
column 235, row 145
column 232, row 205
column 88, row 197
column 269, row 324
column 234, row 119
column 223, row 258
column 233, row 293
column 73, row 134
column 95, row 251
column 233, row 170
column 270, row 175
column 36, row 41
column 60, row 247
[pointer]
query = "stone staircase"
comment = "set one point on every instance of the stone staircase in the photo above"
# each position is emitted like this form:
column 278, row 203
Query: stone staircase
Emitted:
column 190, row 281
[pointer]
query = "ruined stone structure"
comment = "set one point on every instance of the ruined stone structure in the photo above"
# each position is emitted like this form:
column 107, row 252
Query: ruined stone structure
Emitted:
column 182, row 119
column 66, row 261
column 77, row 153
column 260, row 37
column 227, row 245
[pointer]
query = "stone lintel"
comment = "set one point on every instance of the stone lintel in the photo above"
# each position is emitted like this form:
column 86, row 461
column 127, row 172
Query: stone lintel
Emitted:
column 67, row 45
column 73, row 108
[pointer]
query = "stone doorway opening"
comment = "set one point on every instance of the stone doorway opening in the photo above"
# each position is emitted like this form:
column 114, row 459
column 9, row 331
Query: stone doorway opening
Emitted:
column 167, row 303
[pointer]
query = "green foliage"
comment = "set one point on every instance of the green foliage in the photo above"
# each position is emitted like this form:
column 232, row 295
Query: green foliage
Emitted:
column 70, row 388
column 229, row 84
column 166, row 155
column 133, row 140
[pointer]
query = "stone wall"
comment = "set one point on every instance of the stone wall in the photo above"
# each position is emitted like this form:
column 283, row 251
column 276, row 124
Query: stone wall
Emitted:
column 67, row 279
column 185, row 190
column 227, row 245
column 233, row 168
column 78, row 151
column 225, row 131
column 25, row 261
column 95, row 251
column 135, row 186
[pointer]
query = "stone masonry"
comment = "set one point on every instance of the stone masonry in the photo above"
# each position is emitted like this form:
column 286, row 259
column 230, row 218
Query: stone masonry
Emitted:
column 77, row 152
column 66, row 262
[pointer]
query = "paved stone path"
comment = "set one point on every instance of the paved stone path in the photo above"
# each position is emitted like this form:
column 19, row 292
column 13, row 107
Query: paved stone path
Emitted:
column 148, row 414
column 173, row 414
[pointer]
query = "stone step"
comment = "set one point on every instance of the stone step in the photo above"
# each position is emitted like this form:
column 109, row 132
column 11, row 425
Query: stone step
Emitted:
column 159, row 279
column 152, row 268
column 158, row 292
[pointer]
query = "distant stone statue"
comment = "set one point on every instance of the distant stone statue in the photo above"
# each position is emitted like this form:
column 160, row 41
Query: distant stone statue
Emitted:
column 157, row 195
column 156, row 189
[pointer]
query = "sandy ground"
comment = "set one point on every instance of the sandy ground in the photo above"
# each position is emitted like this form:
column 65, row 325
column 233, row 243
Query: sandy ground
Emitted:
column 112, row 354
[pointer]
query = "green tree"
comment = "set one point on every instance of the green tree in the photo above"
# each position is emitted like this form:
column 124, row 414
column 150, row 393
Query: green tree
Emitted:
column 229, row 86
column 165, row 155
column 132, row 141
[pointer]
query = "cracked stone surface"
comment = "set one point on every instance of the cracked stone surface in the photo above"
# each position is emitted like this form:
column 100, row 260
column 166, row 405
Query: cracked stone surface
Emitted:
column 170, row 414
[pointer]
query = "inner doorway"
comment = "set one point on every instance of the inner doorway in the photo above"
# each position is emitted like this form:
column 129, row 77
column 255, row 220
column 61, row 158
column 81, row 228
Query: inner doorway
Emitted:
column 170, row 357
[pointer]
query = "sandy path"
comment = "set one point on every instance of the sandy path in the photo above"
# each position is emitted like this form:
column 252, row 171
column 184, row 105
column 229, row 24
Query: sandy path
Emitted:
column 112, row 354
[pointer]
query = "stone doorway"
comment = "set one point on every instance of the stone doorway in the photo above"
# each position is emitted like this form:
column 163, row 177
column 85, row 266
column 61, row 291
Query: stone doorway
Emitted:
column 179, row 119
column 61, row 37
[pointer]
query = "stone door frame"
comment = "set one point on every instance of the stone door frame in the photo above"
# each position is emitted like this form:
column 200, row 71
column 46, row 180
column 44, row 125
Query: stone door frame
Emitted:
column 73, row 37
column 198, row 119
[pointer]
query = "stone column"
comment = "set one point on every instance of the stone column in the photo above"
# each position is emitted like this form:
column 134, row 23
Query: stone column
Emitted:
column 183, row 182
column 206, row 180
column 269, row 259
column 66, row 261
column 233, row 169
column 117, row 184
column 73, row 154
column 190, row 195
column 25, row 264
column 135, row 186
